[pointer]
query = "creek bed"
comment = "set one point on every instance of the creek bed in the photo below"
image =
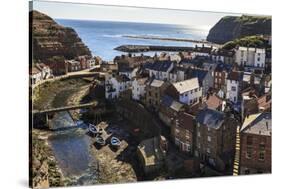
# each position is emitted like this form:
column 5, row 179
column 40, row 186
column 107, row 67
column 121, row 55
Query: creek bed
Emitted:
column 72, row 151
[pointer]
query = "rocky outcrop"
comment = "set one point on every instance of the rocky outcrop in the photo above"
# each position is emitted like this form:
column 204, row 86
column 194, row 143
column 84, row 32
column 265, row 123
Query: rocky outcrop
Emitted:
column 50, row 39
column 44, row 170
column 233, row 27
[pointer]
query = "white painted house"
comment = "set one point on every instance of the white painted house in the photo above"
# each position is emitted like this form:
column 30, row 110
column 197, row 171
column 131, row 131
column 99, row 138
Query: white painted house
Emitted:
column 39, row 72
column 160, row 69
column 138, row 88
column 35, row 75
column 187, row 91
column 233, row 85
column 115, row 85
column 129, row 72
column 250, row 57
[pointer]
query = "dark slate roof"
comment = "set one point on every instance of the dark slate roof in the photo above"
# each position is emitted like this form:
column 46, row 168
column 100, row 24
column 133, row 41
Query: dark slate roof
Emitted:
column 171, row 103
column 122, row 78
column 203, row 49
column 210, row 118
column 223, row 67
column 259, row 124
column 162, row 66
column 222, row 52
column 200, row 74
column 125, row 69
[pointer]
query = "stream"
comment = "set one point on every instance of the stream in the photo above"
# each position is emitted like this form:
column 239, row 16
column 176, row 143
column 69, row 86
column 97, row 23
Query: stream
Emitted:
column 71, row 148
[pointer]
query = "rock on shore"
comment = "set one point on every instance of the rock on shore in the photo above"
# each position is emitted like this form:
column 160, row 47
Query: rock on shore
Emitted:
column 232, row 27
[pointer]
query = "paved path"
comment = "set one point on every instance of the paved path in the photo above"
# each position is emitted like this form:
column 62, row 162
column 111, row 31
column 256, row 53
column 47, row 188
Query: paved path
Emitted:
column 82, row 73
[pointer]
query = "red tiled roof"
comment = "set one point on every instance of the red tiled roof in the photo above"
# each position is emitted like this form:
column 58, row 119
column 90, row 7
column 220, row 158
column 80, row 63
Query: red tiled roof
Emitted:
column 214, row 102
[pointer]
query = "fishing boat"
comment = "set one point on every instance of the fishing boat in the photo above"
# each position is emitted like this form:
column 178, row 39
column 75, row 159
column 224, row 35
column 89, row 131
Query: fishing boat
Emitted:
column 115, row 142
column 93, row 129
column 100, row 140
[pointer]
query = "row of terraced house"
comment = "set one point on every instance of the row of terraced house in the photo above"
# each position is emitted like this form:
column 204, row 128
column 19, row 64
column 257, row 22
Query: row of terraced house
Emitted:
column 203, row 98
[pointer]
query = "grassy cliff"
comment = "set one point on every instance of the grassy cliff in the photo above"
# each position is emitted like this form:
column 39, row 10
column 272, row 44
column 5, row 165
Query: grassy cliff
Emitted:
column 232, row 27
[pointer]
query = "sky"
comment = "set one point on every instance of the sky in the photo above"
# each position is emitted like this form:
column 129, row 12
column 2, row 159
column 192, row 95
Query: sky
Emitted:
column 59, row 10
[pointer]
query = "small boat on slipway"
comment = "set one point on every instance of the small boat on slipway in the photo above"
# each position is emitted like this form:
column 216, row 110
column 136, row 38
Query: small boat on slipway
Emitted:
column 93, row 129
column 115, row 142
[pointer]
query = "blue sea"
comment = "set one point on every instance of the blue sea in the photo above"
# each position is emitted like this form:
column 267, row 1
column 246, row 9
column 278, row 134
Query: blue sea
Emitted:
column 103, row 36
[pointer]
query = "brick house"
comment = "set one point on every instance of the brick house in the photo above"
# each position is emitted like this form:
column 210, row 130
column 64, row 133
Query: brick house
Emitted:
column 182, row 132
column 153, row 92
column 220, row 75
column 169, row 110
column 73, row 65
column 255, row 140
column 215, row 138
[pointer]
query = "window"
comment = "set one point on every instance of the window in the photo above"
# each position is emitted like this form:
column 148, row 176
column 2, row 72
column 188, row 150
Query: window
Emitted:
column 198, row 125
column 209, row 139
column 259, row 58
column 187, row 136
column 191, row 91
column 190, row 101
column 188, row 147
column 177, row 131
column 208, row 150
column 198, row 134
column 209, row 128
column 196, row 90
column 262, row 151
column 177, row 141
column 249, row 152
column 233, row 88
column 261, row 156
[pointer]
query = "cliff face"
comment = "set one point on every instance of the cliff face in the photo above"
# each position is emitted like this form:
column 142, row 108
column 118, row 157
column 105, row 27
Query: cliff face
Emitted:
column 50, row 39
column 232, row 27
